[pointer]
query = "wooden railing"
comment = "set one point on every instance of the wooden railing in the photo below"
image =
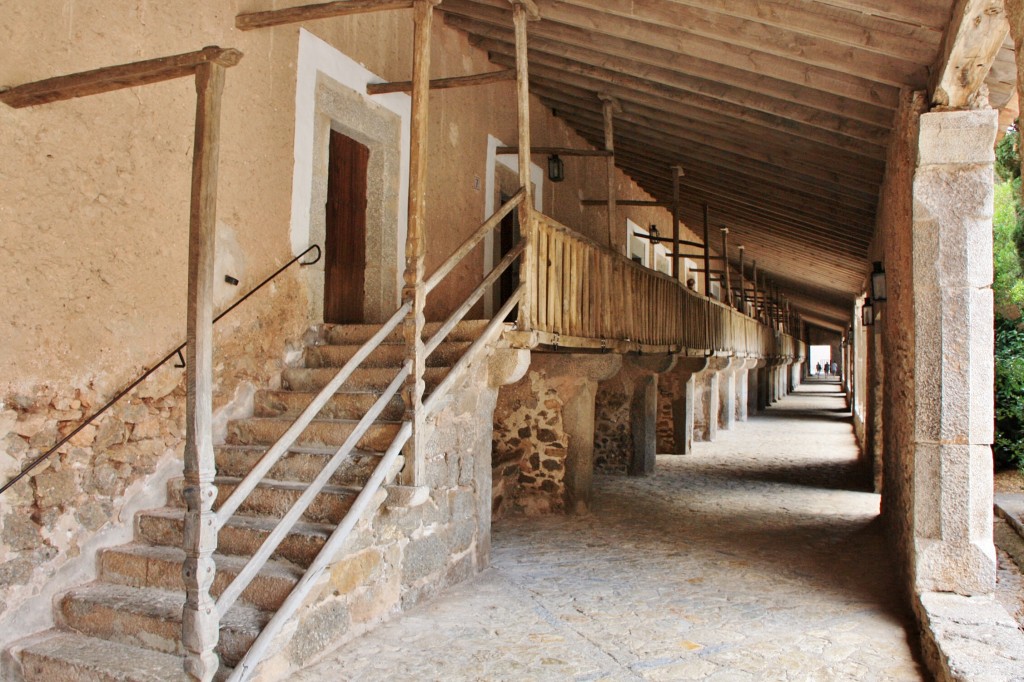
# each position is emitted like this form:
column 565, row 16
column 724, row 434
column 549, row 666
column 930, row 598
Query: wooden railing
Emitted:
column 583, row 295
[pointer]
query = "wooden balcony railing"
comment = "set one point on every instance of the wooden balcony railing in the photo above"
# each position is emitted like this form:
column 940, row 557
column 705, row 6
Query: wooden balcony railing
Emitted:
column 585, row 296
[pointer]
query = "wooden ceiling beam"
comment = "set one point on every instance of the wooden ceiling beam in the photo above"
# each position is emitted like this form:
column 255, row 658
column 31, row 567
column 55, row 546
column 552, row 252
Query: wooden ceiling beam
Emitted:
column 713, row 78
column 852, row 136
column 841, row 184
column 757, row 37
column 598, row 24
column 797, row 154
column 323, row 10
column 738, row 171
column 911, row 41
column 734, row 214
column 863, row 179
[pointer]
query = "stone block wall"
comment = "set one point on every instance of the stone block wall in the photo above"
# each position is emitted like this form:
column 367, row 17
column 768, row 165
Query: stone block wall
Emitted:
column 530, row 447
column 613, row 436
column 669, row 386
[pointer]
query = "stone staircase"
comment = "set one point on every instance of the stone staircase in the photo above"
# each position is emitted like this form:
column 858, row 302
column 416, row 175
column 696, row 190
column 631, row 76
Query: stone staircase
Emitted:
column 126, row 626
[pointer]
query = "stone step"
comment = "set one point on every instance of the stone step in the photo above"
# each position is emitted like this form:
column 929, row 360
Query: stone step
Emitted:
column 346, row 334
column 368, row 379
column 59, row 656
column 274, row 498
column 302, row 464
column 240, row 536
column 391, row 355
column 343, row 405
column 137, row 565
column 151, row 619
column 267, row 431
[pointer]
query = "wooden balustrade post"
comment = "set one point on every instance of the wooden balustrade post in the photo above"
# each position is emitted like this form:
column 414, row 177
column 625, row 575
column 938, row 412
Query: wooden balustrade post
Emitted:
column 200, row 625
column 677, row 174
column 527, row 225
column 707, row 252
column 414, row 290
column 756, row 294
column 616, row 237
column 725, row 266
column 743, row 285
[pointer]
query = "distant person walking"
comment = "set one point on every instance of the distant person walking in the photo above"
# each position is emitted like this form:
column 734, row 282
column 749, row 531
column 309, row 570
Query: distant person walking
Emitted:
column 835, row 368
column 817, row 368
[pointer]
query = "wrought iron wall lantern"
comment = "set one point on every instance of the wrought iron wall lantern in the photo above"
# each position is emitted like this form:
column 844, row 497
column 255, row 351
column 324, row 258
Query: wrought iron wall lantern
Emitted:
column 867, row 314
column 556, row 168
column 878, row 292
column 653, row 235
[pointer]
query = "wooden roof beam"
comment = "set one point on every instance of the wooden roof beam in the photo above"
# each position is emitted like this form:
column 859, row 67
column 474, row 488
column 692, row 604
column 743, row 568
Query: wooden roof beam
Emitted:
column 323, row 10
column 445, row 83
column 972, row 42
column 110, row 78
column 561, row 151
column 490, row 23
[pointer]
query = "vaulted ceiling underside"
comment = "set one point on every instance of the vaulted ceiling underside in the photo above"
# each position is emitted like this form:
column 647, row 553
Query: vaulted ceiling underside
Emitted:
column 779, row 111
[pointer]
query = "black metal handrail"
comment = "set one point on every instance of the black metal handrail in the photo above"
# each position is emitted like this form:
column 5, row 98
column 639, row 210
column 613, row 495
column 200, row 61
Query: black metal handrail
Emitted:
column 176, row 352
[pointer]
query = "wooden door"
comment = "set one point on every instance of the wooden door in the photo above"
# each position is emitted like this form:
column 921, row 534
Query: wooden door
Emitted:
column 345, row 247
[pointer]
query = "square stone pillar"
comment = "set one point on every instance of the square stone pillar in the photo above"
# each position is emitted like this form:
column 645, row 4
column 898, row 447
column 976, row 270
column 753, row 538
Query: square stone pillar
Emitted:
column 743, row 394
column 727, row 394
column 706, row 401
column 953, row 369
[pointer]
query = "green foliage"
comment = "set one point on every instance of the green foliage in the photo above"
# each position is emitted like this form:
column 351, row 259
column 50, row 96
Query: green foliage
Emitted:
column 1007, row 242
column 1008, row 155
column 1009, row 446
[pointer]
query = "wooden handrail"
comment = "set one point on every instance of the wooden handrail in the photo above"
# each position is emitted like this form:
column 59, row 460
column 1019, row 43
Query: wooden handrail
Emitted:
column 467, row 246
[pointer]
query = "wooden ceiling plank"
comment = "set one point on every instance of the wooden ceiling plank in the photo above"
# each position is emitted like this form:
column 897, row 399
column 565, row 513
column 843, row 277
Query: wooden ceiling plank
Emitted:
column 762, row 38
column 596, row 23
column 490, row 23
column 629, row 89
column 796, row 153
column 756, row 160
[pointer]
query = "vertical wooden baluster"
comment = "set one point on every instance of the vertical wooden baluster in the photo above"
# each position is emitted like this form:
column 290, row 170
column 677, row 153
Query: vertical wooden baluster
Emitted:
column 200, row 626
column 415, row 248
column 541, row 240
column 554, row 305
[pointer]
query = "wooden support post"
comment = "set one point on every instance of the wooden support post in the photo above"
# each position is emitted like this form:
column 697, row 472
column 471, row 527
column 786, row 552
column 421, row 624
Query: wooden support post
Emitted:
column 743, row 286
column 415, row 246
column 725, row 257
column 677, row 174
column 521, row 14
column 707, row 252
column 757, row 294
column 616, row 237
column 200, row 626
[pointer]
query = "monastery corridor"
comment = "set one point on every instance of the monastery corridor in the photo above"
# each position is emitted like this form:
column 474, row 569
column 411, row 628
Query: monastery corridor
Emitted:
column 758, row 557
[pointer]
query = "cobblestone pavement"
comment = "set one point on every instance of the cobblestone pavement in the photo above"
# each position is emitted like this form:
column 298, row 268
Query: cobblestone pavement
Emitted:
column 759, row 557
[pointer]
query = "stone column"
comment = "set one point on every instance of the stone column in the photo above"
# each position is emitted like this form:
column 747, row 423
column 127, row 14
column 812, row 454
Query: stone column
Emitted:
column 743, row 388
column 682, row 376
column 759, row 394
column 575, row 378
column 953, row 374
column 706, row 400
column 727, row 393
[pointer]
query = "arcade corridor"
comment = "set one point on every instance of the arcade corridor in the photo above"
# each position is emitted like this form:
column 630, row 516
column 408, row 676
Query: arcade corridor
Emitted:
column 759, row 557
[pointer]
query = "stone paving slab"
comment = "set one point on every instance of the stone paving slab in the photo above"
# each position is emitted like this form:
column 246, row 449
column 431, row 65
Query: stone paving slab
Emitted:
column 759, row 557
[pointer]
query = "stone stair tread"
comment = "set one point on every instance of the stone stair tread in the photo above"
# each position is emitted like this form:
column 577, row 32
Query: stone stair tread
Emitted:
column 70, row 656
column 375, row 378
column 280, row 568
column 320, row 450
column 466, row 330
column 162, row 604
column 264, row 523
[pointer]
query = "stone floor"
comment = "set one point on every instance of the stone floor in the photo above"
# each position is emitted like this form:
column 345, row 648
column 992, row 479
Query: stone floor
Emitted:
column 759, row 557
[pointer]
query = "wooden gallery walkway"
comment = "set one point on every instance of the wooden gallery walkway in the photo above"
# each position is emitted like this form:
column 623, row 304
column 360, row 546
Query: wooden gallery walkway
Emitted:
column 759, row 557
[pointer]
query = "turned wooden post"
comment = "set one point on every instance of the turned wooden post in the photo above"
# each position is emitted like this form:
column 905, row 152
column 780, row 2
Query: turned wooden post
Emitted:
column 707, row 252
column 725, row 267
column 743, row 284
column 677, row 174
column 414, row 473
column 527, row 228
column 200, row 626
column 756, row 294
column 616, row 237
